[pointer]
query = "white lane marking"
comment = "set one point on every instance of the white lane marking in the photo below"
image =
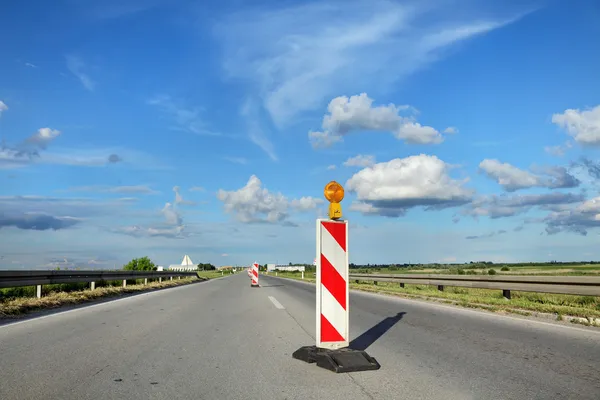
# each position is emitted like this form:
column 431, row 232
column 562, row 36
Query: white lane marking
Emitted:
column 276, row 303
column 104, row 303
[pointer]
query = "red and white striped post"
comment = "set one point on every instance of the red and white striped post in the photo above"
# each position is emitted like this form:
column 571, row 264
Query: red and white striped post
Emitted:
column 332, row 350
column 332, row 284
column 254, row 275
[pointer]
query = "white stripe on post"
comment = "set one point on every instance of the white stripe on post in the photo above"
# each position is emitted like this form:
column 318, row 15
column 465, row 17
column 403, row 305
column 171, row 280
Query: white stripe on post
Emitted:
column 334, row 253
column 333, row 311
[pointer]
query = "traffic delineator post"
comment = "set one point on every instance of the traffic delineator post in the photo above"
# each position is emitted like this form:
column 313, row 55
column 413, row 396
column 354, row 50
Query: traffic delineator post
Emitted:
column 254, row 276
column 332, row 297
column 332, row 284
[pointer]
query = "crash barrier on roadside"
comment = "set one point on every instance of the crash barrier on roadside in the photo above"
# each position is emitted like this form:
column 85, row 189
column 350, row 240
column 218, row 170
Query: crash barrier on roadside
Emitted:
column 575, row 285
column 38, row 278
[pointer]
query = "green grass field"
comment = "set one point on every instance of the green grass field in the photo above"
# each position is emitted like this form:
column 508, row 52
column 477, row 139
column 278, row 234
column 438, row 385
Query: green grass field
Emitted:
column 492, row 300
column 211, row 274
column 558, row 270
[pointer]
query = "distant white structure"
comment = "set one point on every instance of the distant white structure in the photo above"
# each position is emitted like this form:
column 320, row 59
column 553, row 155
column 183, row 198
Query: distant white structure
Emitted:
column 275, row 267
column 186, row 265
column 160, row 268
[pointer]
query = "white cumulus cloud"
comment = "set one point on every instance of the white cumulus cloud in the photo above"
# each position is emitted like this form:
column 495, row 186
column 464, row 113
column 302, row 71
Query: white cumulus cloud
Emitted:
column 360, row 161
column 391, row 188
column 512, row 178
column 583, row 126
column 253, row 203
column 357, row 113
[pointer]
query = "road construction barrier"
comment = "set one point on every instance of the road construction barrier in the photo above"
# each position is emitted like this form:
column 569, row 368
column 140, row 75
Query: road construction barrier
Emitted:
column 254, row 275
column 332, row 284
column 332, row 350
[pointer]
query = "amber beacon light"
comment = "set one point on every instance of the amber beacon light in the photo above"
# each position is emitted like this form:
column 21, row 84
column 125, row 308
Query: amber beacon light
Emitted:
column 334, row 193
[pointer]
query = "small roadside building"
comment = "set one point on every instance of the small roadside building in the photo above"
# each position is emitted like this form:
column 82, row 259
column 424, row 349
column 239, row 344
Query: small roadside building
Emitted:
column 186, row 265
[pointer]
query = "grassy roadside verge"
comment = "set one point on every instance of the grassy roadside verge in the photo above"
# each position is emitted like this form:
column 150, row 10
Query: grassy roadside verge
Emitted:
column 210, row 274
column 58, row 296
column 522, row 303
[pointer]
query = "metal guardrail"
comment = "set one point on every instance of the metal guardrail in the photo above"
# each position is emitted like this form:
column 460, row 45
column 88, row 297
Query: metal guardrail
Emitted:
column 576, row 285
column 43, row 277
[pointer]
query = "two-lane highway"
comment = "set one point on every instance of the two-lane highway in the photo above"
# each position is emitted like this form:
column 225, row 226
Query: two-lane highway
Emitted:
column 223, row 339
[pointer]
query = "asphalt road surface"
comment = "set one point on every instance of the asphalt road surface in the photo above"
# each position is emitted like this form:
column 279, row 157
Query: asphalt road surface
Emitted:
column 223, row 339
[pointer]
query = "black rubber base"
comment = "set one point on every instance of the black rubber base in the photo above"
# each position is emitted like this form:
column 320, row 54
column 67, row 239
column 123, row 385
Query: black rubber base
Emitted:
column 341, row 360
column 251, row 285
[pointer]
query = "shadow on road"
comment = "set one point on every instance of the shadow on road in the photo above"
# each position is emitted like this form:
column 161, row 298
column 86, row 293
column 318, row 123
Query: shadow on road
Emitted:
column 271, row 285
column 369, row 337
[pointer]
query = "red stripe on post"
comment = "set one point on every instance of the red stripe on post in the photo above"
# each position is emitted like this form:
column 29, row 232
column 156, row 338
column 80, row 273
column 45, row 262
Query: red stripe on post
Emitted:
column 337, row 231
column 254, row 272
column 333, row 281
column 328, row 332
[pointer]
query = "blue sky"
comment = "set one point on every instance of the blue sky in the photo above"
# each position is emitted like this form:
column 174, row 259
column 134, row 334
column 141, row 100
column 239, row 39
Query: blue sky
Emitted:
column 461, row 130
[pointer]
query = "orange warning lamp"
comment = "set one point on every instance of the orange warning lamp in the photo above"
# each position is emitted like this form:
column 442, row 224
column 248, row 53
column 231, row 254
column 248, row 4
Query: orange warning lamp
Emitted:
column 334, row 193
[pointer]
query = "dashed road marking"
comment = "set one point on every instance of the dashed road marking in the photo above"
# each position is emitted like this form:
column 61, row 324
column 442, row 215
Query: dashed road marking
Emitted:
column 276, row 303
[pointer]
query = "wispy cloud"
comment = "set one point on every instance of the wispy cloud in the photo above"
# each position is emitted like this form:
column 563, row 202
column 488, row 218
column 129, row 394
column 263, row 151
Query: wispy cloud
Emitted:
column 186, row 119
column 37, row 221
column 494, row 206
column 76, row 66
column 298, row 56
column 132, row 189
column 18, row 157
column 512, row 178
column 487, row 235
column 172, row 226
column 237, row 160
column 360, row 160
column 256, row 133
column 179, row 198
column 559, row 150
column 3, row 107
column 20, row 209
